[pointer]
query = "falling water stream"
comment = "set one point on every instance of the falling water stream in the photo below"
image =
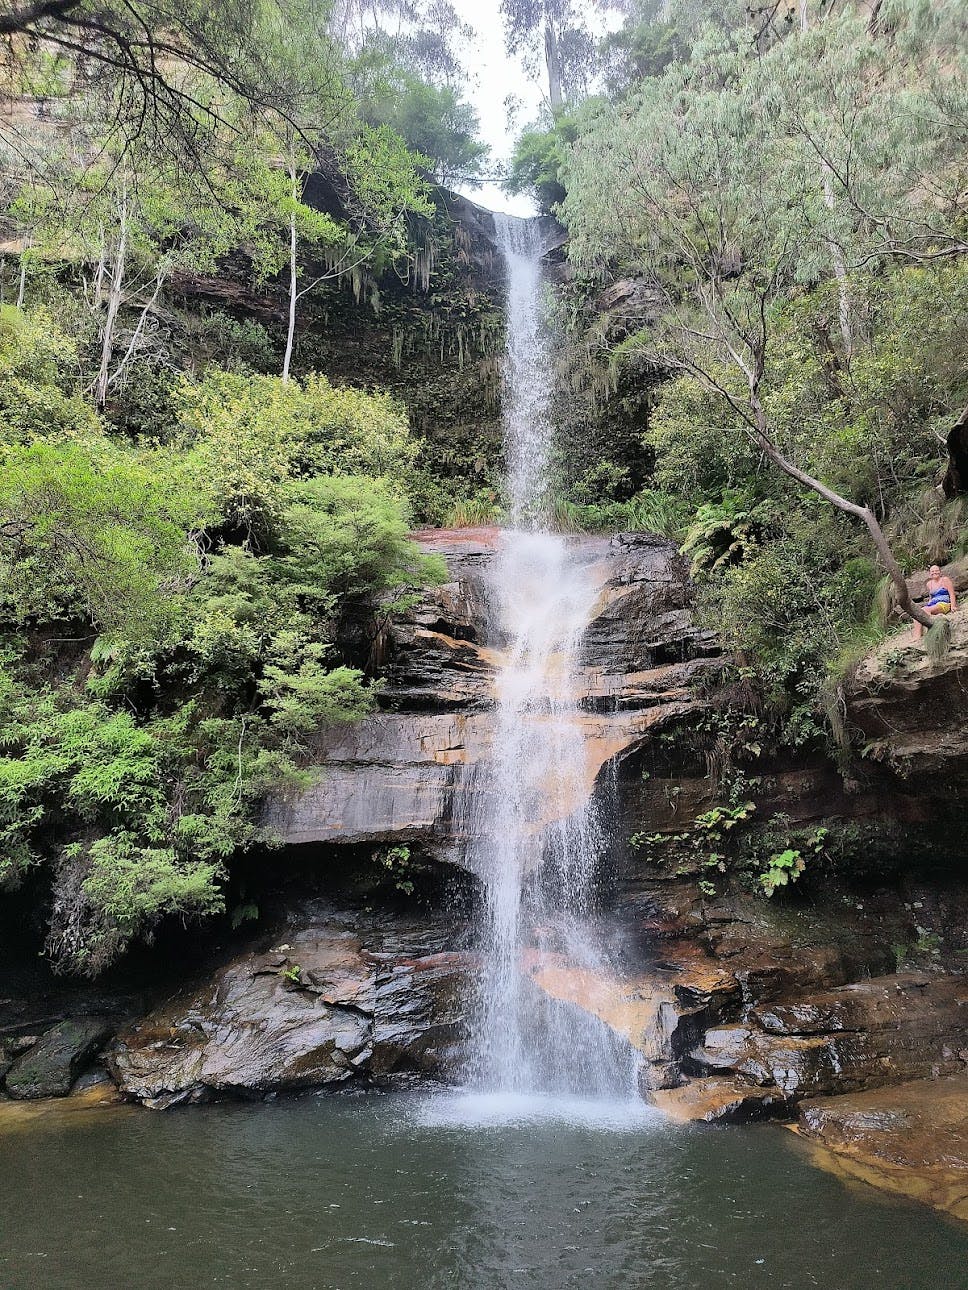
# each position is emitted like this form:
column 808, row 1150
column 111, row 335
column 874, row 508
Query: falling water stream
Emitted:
column 540, row 838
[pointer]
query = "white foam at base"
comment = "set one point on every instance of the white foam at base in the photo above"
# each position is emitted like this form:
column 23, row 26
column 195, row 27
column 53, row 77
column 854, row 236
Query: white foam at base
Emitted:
column 469, row 1109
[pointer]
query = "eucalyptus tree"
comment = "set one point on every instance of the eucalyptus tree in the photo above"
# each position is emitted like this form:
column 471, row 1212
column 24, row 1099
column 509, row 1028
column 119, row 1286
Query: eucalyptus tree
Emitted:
column 710, row 190
column 382, row 190
column 406, row 67
column 147, row 60
column 127, row 221
column 882, row 109
column 556, row 33
column 424, row 37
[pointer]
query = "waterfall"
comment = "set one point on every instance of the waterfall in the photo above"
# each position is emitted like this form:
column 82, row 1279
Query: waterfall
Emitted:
column 540, row 841
column 527, row 373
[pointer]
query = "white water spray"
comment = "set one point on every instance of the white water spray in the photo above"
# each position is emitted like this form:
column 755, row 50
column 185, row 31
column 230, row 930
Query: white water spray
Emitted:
column 540, row 842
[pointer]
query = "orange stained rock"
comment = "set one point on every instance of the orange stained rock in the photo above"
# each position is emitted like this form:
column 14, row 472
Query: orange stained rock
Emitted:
column 628, row 1006
column 713, row 1098
column 910, row 1139
column 55, row 1111
column 484, row 535
column 934, row 1185
column 488, row 657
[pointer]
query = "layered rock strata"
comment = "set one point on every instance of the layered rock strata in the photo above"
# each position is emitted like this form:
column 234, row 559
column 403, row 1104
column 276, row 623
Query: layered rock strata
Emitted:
column 417, row 770
column 910, row 1139
column 910, row 711
column 338, row 995
column 739, row 1008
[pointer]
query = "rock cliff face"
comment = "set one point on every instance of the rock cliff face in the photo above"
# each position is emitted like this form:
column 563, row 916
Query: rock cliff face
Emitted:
column 338, row 995
column 432, row 340
column 911, row 711
column 417, row 770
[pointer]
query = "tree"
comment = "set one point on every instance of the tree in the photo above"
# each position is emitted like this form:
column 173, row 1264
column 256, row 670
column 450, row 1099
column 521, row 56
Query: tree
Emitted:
column 167, row 614
column 538, row 161
column 701, row 191
column 433, row 120
column 157, row 62
column 872, row 158
column 383, row 190
column 558, row 29
column 129, row 222
column 85, row 531
column 422, row 37
column 274, row 191
column 646, row 43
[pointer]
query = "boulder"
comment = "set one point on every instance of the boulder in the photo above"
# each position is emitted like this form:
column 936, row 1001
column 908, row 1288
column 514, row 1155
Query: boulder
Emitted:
column 723, row 1100
column 50, row 1066
column 418, row 1016
column 337, row 998
column 858, row 1036
column 912, row 711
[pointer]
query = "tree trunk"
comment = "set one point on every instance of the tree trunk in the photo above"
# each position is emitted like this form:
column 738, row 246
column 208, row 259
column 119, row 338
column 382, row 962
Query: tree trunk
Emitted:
column 22, row 289
column 293, row 277
column 840, row 272
column 553, row 62
column 136, row 335
column 99, row 273
column 863, row 513
column 115, row 295
column 836, row 254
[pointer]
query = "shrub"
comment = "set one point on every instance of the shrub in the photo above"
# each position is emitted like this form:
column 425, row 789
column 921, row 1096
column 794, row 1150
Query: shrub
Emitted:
column 247, row 435
column 89, row 529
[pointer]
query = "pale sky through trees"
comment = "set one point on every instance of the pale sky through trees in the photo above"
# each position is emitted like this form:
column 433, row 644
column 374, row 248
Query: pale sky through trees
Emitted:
column 492, row 76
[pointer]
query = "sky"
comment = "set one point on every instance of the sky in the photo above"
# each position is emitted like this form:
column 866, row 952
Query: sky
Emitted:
column 494, row 76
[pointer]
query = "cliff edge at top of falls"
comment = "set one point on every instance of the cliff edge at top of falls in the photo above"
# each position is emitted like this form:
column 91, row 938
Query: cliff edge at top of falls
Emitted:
column 415, row 770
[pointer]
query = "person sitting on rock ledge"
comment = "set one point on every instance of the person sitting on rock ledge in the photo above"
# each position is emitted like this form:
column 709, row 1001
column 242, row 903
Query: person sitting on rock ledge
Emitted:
column 941, row 597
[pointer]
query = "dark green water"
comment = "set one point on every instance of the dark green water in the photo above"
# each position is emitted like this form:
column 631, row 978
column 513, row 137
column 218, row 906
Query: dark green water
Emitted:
column 380, row 1193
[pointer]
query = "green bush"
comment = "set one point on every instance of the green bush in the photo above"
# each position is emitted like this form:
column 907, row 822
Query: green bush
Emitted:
column 40, row 385
column 245, row 436
column 196, row 588
column 92, row 530
column 538, row 160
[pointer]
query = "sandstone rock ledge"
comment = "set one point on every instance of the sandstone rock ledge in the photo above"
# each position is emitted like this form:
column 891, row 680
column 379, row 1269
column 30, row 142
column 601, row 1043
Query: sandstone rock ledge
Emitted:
column 418, row 771
column 913, row 711
column 911, row 1139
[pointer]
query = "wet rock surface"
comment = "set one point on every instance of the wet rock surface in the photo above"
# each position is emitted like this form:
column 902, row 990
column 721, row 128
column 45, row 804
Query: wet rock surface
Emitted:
column 339, row 995
column 738, row 1008
column 719, row 1098
column 417, row 770
column 743, row 1010
column 911, row 1139
column 48, row 1065
column 856, row 1036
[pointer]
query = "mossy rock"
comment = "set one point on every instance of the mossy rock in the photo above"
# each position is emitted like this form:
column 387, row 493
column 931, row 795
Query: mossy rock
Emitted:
column 51, row 1066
